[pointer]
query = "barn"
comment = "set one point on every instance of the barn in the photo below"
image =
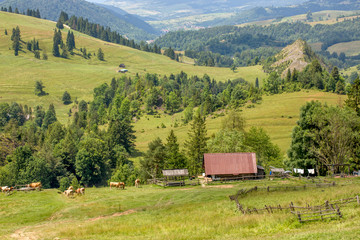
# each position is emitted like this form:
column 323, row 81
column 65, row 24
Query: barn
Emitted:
column 232, row 165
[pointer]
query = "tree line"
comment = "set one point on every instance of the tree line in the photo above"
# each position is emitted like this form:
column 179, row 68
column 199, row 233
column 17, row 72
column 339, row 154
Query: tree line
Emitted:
column 29, row 12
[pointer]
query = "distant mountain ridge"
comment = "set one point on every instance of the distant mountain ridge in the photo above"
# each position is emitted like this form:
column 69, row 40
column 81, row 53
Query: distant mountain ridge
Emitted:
column 118, row 20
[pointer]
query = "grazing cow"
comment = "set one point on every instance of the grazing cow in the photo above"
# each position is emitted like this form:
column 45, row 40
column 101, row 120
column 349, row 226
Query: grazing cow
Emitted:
column 137, row 183
column 121, row 185
column 114, row 184
column 68, row 193
column 71, row 188
column 80, row 191
column 36, row 185
column 7, row 189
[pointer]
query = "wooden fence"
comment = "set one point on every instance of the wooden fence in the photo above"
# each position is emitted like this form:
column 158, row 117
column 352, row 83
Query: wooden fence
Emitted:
column 319, row 214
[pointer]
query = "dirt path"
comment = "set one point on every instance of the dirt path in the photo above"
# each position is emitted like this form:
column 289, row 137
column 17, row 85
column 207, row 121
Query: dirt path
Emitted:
column 33, row 233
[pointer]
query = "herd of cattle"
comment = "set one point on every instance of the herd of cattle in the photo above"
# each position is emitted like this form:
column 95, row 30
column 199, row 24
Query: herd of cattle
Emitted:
column 69, row 192
column 29, row 187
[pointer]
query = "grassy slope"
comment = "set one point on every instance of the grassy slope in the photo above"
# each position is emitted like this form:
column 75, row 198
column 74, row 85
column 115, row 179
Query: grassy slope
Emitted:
column 80, row 76
column 349, row 48
column 277, row 114
column 174, row 213
column 77, row 75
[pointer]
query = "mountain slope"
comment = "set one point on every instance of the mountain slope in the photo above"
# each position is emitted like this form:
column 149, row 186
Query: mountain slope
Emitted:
column 18, row 74
column 295, row 56
column 138, row 30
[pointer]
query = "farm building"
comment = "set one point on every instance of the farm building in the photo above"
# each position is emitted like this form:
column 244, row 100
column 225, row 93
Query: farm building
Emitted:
column 175, row 177
column 232, row 165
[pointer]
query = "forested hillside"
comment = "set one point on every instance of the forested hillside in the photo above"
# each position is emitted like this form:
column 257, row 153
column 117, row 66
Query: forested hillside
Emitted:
column 121, row 23
column 250, row 42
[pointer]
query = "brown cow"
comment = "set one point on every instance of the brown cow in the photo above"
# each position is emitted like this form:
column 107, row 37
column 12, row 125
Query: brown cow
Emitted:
column 36, row 185
column 7, row 189
column 80, row 191
column 71, row 188
column 69, row 193
column 121, row 185
column 137, row 183
column 114, row 184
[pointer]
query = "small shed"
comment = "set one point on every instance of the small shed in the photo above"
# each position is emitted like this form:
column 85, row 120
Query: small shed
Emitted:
column 175, row 177
column 277, row 171
column 231, row 165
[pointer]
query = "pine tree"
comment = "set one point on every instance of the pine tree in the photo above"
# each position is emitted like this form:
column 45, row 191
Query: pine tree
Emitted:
column 10, row 9
column 66, row 98
column 196, row 144
column 16, row 10
column 257, row 83
column 16, row 37
column 56, row 51
column 70, row 41
column 100, row 55
column 39, row 88
column 50, row 116
column 174, row 159
column 60, row 24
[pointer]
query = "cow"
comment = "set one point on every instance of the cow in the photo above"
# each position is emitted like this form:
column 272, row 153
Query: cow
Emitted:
column 137, row 183
column 36, row 185
column 114, row 184
column 68, row 193
column 7, row 189
column 121, row 185
column 80, row 191
column 71, row 188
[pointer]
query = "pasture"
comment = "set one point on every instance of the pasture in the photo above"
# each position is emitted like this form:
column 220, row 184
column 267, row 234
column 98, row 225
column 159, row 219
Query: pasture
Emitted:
column 277, row 114
column 349, row 48
column 152, row 212
column 77, row 75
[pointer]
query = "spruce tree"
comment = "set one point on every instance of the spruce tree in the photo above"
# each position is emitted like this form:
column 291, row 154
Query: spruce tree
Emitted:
column 196, row 144
column 257, row 83
column 174, row 158
column 10, row 9
column 16, row 10
column 56, row 51
column 100, row 55
column 39, row 88
column 50, row 117
column 66, row 98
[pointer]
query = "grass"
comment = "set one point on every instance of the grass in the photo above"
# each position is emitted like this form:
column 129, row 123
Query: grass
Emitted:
column 152, row 212
column 277, row 114
column 349, row 48
column 77, row 75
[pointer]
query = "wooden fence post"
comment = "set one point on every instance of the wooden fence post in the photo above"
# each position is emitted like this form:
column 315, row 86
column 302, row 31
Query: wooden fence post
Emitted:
column 268, row 188
column 299, row 216
column 338, row 211
column 357, row 199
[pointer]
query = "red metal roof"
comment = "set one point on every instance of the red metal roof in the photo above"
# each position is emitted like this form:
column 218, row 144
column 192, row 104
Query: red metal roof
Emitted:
column 230, row 163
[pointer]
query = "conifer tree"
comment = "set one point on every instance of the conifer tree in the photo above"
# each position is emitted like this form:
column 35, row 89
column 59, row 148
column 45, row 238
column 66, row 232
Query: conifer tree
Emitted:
column 39, row 88
column 196, row 144
column 56, row 51
column 66, row 98
column 50, row 116
column 10, row 9
column 257, row 83
column 100, row 55
column 353, row 100
column 174, row 158
column 16, row 10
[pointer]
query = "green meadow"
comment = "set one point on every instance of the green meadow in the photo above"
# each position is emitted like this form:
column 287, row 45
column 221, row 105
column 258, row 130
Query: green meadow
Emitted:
column 77, row 75
column 277, row 114
column 152, row 212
